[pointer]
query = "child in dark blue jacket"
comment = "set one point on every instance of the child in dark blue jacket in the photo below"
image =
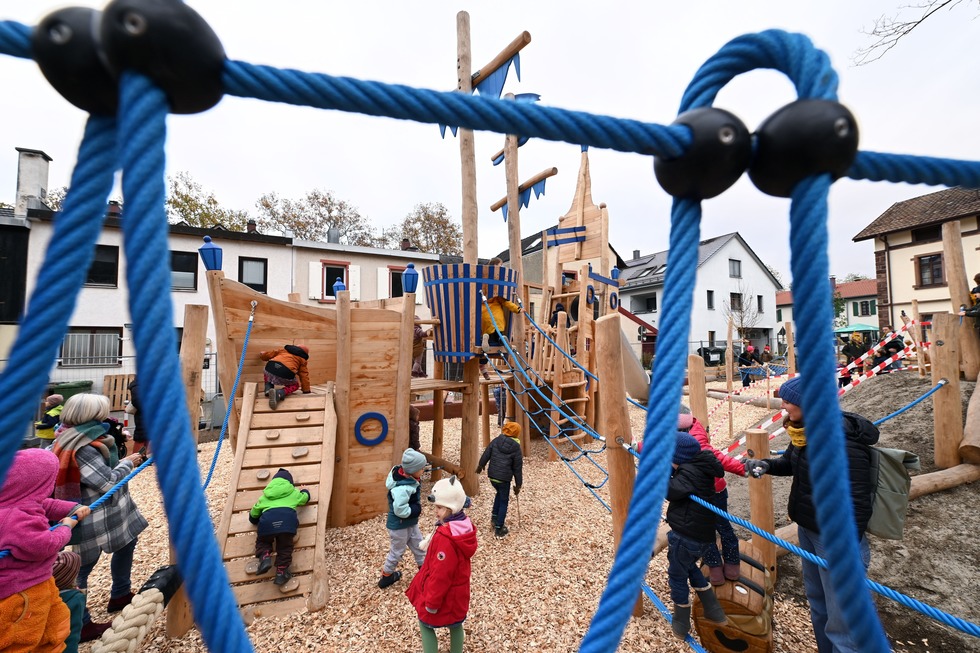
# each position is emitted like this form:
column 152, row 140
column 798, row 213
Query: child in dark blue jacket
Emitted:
column 506, row 464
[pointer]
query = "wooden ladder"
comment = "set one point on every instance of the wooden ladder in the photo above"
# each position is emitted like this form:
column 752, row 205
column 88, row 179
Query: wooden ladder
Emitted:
column 301, row 437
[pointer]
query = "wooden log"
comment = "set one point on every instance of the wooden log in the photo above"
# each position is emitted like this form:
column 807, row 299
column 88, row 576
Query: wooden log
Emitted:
column 445, row 465
column 502, row 57
column 959, row 294
column 947, row 407
column 615, row 419
column 970, row 447
column 764, row 402
column 485, row 413
column 467, row 146
column 544, row 174
column 760, row 498
column 943, row 480
column 438, row 416
column 469, row 446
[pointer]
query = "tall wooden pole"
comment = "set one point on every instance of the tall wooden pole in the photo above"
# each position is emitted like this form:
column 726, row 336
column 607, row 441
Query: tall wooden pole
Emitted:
column 921, row 355
column 467, row 147
column 947, row 403
column 790, row 350
column 729, row 373
column 698, row 395
column 614, row 423
column 959, row 294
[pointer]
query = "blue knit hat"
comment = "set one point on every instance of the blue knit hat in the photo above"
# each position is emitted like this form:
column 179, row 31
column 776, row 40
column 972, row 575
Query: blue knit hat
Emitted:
column 687, row 448
column 792, row 391
column 413, row 462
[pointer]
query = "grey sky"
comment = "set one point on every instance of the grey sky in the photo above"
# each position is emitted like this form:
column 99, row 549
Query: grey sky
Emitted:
column 622, row 59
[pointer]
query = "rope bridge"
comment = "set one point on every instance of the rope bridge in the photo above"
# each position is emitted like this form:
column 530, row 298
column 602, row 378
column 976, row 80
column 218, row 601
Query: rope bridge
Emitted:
column 699, row 156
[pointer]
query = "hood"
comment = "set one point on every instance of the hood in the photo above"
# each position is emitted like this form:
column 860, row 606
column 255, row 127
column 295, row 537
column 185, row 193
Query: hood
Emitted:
column 395, row 476
column 508, row 444
column 278, row 488
column 463, row 534
column 31, row 476
column 860, row 429
column 296, row 351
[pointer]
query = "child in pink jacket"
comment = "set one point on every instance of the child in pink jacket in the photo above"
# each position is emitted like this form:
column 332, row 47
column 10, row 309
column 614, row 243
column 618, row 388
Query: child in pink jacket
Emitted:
column 32, row 615
column 717, row 571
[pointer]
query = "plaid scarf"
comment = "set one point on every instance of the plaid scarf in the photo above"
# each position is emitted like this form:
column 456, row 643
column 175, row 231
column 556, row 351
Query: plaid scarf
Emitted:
column 68, row 485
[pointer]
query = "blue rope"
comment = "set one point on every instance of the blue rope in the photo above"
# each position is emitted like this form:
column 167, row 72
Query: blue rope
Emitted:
column 657, row 603
column 909, row 602
column 574, row 362
column 898, row 412
column 15, row 39
column 62, row 274
column 143, row 111
column 231, row 400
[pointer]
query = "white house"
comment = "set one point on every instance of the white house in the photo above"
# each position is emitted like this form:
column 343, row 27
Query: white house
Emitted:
column 731, row 282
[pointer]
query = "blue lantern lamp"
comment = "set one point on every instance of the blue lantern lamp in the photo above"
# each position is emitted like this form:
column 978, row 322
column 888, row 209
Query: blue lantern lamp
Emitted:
column 615, row 273
column 410, row 279
column 338, row 285
column 210, row 254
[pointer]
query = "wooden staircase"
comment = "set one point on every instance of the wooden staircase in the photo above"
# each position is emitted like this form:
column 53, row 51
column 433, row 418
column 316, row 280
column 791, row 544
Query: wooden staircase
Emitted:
column 301, row 437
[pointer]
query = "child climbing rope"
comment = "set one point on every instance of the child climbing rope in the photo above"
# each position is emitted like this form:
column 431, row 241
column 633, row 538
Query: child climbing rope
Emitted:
column 275, row 515
column 692, row 530
column 282, row 369
column 32, row 615
column 404, row 508
column 440, row 592
column 506, row 463
column 731, row 569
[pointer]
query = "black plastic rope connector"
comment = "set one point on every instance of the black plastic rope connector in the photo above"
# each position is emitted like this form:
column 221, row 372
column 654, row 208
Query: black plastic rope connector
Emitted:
column 804, row 138
column 171, row 44
column 66, row 47
column 719, row 153
column 166, row 579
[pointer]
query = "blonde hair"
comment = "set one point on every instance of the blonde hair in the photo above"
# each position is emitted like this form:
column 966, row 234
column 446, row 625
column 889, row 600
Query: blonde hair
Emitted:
column 85, row 408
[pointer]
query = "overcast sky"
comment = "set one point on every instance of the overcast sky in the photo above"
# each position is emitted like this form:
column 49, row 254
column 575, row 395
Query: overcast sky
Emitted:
column 615, row 58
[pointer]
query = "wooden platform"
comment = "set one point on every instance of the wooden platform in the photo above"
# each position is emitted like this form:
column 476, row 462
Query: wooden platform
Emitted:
column 298, row 436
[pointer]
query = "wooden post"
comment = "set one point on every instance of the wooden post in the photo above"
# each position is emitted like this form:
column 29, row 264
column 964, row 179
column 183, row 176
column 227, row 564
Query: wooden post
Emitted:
column 467, row 146
column 320, row 590
column 485, row 413
column 469, row 445
column 959, row 294
column 947, row 404
column 698, row 396
column 338, row 495
column 921, row 355
column 558, row 368
column 227, row 362
column 729, row 373
column 403, row 378
column 615, row 425
column 438, row 416
column 790, row 350
column 760, row 498
column 294, row 297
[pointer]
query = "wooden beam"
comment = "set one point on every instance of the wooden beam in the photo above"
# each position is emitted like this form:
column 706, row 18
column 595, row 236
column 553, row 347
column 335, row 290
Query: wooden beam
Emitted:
column 760, row 497
column 438, row 415
column 970, row 447
column 467, row 146
column 446, row 465
column 194, row 335
column 503, row 57
column 947, row 403
column 544, row 174
column 959, row 294
column 763, row 402
column 469, row 445
column 698, row 391
column 790, row 349
column 225, row 346
column 339, row 492
column 320, row 591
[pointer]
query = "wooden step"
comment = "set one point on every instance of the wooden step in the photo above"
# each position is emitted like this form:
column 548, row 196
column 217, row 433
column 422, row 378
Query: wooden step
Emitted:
column 268, row 591
column 575, row 400
column 244, row 545
column 573, row 384
column 240, row 523
column 302, row 563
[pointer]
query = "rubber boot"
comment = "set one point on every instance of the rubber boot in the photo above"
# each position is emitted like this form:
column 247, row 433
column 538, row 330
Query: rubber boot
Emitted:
column 681, row 621
column 733, row 571
column 268, row 386
column 493, row 521
column 273, row 398
column 712, row 609
column 716, row 576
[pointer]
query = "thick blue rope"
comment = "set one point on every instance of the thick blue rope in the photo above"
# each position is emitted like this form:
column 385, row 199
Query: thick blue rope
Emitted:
column 898, row 412
column 909, row 602
column 62, row 274
column 143, row 110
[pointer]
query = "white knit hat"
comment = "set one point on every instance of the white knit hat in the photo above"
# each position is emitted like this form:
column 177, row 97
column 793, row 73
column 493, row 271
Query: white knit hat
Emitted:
column 449, row 493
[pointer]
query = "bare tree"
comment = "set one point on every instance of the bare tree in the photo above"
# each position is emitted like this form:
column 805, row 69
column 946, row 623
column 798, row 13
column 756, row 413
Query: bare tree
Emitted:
column 777, row 275
column 56, row 198
column 741, row 309
column 889, row 30
column 188, row 201
column 432, row 229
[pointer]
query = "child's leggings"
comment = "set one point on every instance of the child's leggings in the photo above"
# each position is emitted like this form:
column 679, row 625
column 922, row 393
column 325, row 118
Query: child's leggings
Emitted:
column 729, row 541
column 430, row 643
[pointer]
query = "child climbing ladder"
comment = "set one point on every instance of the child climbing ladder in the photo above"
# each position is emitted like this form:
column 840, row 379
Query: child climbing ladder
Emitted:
column 282, row 369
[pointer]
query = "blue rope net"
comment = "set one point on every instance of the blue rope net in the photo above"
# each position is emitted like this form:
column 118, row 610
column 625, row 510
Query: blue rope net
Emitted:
column 134, row 142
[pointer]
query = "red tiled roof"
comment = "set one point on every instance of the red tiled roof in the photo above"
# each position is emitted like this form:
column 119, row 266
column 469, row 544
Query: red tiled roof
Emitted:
column 933, row 208
column 847, row 290
column 784, row 297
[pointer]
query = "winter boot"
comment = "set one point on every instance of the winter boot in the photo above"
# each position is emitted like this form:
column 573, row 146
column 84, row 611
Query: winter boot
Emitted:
column 265, row 564
column 268, row 386
column 712, row 609
column 282, row 575
column 387, row 580
column 92, row 631
column 716, row 576
column 501, row 531
column 681, row 621
column 493, row 521
column 276, row 395
column 733, row 571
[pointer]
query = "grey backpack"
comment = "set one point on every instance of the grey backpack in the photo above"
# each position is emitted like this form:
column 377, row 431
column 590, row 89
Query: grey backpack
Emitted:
column 890, row 470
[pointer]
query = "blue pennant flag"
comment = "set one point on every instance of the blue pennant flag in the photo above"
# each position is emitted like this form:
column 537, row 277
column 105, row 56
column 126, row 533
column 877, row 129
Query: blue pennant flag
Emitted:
column 504, row 211
column 538, row 188
column 585, row 148
column 525, row 197
column 527, row 97
column 442, row 130
column 493, row 84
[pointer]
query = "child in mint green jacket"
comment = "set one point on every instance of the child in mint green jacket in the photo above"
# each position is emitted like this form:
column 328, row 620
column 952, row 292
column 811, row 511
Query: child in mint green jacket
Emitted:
column 275, row 515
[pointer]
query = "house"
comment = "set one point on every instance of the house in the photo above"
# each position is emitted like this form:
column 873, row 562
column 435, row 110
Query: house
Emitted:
column 859, row 310
column 732, row 282
column 909, row 251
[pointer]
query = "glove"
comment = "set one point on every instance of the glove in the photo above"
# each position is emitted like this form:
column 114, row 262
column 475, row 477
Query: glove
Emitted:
column 517, row 490
column 479, row 470
column 756, row 468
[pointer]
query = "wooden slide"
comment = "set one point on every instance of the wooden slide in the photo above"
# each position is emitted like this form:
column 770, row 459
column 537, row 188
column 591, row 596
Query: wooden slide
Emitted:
column 301, row 437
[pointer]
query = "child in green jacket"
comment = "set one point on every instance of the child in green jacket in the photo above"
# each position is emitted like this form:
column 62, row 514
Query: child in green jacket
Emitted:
column 275, row 515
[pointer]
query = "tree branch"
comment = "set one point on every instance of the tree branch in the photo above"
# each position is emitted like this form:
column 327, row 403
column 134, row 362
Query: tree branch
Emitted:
column 889, row 30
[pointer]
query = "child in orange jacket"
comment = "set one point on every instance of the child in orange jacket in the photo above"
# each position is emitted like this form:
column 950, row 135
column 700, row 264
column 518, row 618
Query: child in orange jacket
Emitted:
column 285, row 367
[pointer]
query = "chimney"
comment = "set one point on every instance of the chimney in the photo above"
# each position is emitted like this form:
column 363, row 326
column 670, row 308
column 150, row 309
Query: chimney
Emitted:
column 833, row 282
column 250, row 227
column 114, row 209
column 32, row 180
column 406, row 244
column 636, row 254
column 333, row 235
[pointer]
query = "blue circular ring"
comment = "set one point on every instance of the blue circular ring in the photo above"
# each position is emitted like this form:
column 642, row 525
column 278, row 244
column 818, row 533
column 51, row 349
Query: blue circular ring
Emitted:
column 613, row 301
column 370, row 442
column 590, row 294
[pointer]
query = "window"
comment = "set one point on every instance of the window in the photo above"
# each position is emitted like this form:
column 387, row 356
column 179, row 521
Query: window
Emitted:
column 394, row 282
column 332, row 271
column 929, row 270
column 104, row 270
column 926, row 234
column 864, row 308
column 734, row 268
column 735, row 301
column 779, row 315
column 651, row 304
column 183, row 270
column 253, row 273
column 758, row 304
column 711, row 300
column 711, row 338
column 91, row 347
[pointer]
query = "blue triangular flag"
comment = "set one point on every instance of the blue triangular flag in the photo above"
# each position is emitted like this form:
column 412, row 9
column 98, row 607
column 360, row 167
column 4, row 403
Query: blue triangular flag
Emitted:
column 538, row 188
column 527, row 97
column 503, row 209
column 517, row 65
column 493, row 84
column 442, row 130
column 525, row 197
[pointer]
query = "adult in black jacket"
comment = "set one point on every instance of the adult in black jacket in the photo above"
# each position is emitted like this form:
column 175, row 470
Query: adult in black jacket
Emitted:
column 506, row 464
column 825, row 608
